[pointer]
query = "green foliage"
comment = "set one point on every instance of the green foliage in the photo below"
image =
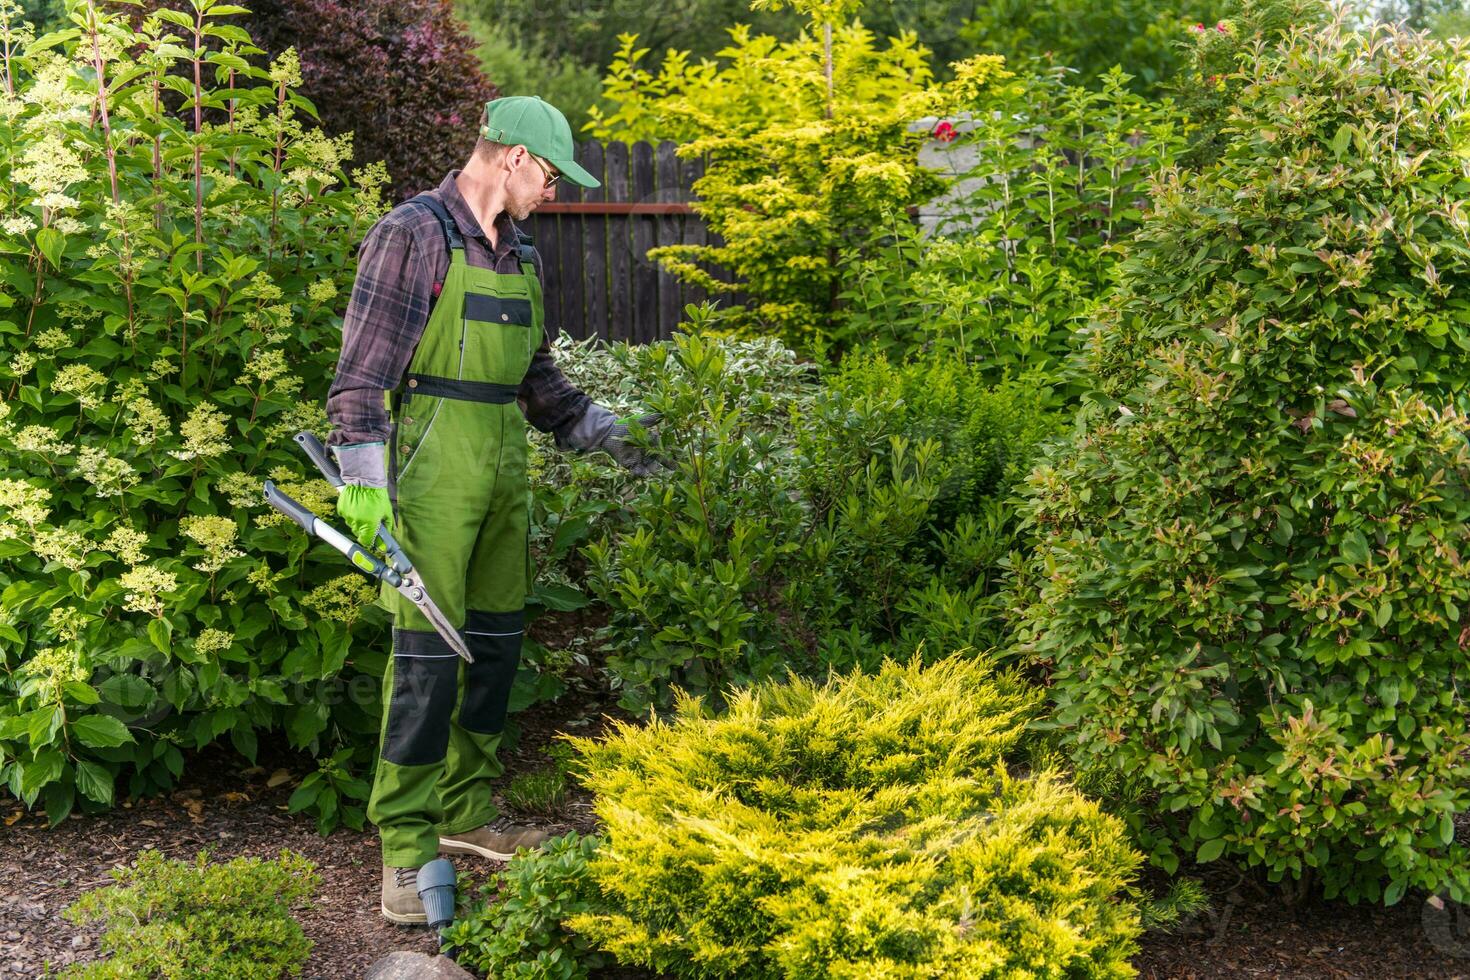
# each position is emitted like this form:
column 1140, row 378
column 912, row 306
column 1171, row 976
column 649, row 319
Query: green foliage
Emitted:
column 870, row 520
column 1089, row 37
column 181, row 919
column 692, row 580
column 333, row 793
column 1222, row 61
column 542, row 792
column 1248, row 586
column 1051, row 177
column 398, row 77
column 868, row 826
column 906, row 472
column 1418, row 15
column 525, row 68
column 515, row 930
column 575, row 33
column 166, row 297
column 801, row 163
column 1186, row 899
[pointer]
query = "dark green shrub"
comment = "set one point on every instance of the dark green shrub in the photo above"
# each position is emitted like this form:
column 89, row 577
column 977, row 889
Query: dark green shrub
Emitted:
column 177, row 920
column 812, row 526
column 515, row 930
column 869, row 826
column 691, row 580
column 906, row 473
column 166, row 299
column 1248, row 586
column 400, row 78
column 1091, row 36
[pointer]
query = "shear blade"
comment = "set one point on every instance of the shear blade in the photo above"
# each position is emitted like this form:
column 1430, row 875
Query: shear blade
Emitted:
column 414, row 591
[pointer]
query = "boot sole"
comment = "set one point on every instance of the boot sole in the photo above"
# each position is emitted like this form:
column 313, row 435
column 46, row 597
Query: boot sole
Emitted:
column 461, row 847
column 404, row 918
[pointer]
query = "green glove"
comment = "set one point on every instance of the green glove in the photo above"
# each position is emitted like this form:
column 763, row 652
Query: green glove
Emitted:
column 362, row 508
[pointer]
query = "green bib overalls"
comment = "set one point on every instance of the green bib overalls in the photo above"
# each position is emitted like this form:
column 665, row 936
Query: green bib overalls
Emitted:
column 457, row 476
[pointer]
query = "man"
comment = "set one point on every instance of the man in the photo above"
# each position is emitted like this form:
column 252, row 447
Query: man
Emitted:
column 446, row 315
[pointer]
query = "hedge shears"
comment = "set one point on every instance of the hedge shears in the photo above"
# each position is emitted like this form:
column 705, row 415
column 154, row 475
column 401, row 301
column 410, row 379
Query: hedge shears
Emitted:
column 397, row 571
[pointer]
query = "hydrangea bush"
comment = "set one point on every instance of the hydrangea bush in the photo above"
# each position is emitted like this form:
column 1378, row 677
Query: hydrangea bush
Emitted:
column 167, row 298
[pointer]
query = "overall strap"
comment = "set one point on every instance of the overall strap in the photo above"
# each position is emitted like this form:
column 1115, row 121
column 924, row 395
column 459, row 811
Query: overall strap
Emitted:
column 525, row 251
column 452, row 238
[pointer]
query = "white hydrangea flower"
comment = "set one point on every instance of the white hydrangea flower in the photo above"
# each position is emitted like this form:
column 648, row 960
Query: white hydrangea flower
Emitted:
column 216, row 535
column 204, row 433
column 145, row 586
column 127, row 544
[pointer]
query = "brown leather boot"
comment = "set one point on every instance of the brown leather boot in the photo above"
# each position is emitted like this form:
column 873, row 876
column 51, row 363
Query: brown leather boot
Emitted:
column 401, row 903
column 497, row 840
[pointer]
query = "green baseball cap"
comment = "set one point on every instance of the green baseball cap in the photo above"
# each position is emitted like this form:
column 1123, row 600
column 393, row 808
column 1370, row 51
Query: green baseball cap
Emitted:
column 539, row 127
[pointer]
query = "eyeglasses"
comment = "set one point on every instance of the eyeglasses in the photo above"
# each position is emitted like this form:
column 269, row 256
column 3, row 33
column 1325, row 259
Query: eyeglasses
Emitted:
column 551, row 178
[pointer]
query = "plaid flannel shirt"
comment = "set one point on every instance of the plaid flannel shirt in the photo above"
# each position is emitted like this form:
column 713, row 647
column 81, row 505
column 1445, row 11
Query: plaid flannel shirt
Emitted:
column 399, row 261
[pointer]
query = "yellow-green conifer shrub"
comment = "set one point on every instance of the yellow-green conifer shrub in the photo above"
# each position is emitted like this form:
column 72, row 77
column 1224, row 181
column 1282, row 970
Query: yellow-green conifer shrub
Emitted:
column 808, row 149
column 871, row 826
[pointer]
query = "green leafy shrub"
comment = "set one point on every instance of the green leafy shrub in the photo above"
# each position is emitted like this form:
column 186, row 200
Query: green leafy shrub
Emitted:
column 691, row 579
column 521, row 67
column 581, row 498
column 1221, row 56
column 870, row 519
column 906, row 471
column 572, row 32
column 1248, row 585
column 166, row 299
column 1090, row 37
column 868, row 826
column 808, row 147
column 1051, row 177
column 178, row 919
column 515, row 930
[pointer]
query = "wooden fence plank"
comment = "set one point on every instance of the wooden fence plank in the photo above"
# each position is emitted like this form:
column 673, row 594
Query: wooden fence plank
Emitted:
column 594, row 246
column 645, row 276
column 668, row 230
column 619, row 247
column 569, row 246
column 693, row 232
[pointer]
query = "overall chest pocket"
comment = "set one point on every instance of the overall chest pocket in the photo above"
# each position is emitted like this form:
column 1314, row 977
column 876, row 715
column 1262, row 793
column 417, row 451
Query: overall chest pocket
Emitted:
column 499, row 338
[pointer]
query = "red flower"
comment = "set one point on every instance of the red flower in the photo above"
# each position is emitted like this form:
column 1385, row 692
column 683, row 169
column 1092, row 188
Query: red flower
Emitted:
column 945, row 131
column 1222, row 27
column 1198, row 28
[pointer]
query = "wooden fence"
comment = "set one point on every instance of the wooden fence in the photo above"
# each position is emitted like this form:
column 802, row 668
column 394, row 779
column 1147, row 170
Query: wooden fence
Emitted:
column 594, row 243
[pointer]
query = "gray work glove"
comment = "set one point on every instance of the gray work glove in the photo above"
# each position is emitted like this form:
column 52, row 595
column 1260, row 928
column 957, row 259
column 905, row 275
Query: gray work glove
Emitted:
column 600, row 429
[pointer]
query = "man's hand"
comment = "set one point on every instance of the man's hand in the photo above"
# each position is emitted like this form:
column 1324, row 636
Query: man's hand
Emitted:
column 598, row 429
column 362, row 500
column 362, row 508
column 631, row 457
